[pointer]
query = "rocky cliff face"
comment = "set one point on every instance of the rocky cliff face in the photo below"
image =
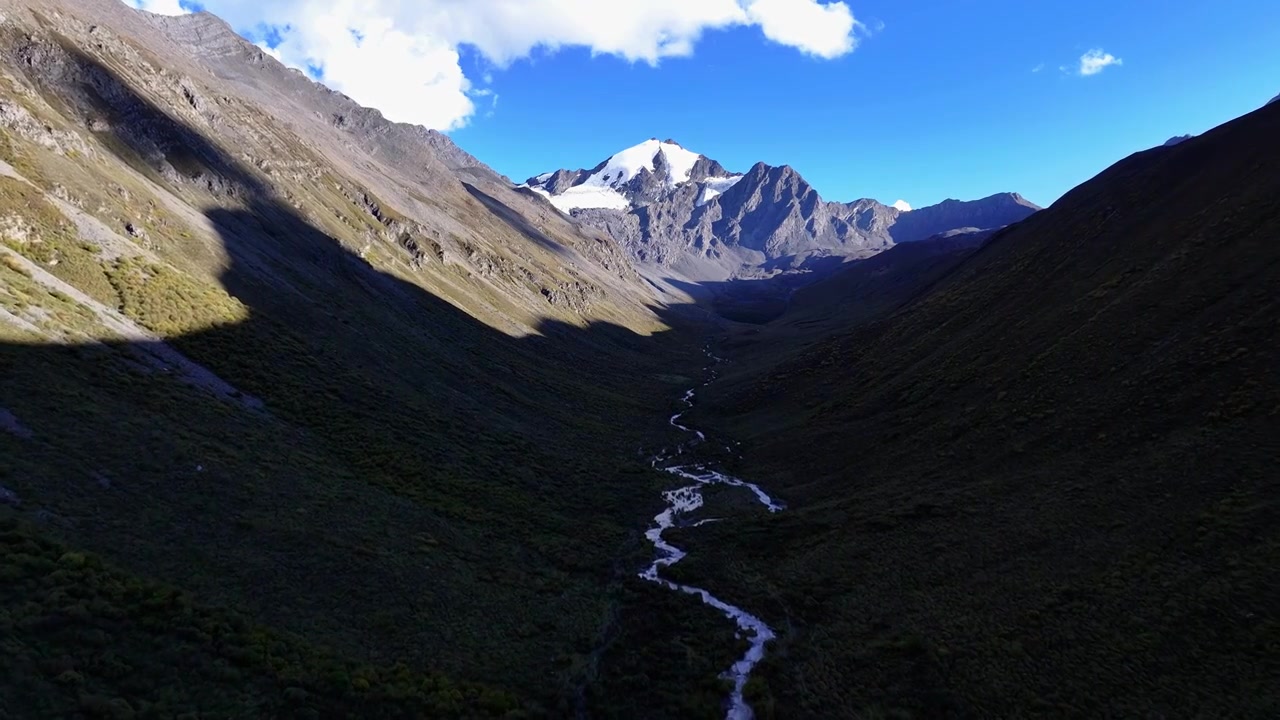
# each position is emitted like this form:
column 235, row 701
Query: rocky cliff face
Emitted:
column 682, row 214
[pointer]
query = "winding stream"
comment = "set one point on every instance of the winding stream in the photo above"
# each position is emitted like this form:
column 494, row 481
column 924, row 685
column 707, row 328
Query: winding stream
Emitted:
column 681, row 502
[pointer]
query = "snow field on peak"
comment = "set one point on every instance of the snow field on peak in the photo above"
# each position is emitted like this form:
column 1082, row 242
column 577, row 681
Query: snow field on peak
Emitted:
column 625, row 165
column 581, row 197
column 600, row 189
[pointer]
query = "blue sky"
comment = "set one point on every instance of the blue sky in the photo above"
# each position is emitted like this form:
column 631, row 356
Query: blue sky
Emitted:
column 954, row 98
column 942, row 102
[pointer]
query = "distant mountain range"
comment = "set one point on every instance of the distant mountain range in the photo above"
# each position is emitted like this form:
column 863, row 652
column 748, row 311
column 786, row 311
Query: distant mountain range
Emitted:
column 683, row 215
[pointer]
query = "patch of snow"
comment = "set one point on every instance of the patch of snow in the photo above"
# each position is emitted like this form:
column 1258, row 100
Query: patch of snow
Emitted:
column 544, row 177
column 587, row 196
column 713, row 188
column 1274, row 99
column 1177, row 140
column 680, row 162
column 903, row 206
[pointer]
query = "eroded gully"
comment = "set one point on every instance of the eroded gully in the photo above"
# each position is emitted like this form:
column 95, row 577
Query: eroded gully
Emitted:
column 680, row 503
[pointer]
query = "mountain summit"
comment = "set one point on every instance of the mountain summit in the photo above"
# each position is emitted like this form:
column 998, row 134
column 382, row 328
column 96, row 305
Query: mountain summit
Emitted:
column 633, row 177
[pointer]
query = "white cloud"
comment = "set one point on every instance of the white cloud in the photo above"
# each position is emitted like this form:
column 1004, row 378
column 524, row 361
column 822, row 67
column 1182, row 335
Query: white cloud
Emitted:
column 1037, row 68
column 402, row 57
column 824, row 30
column 1095, row 61
column 159, row 7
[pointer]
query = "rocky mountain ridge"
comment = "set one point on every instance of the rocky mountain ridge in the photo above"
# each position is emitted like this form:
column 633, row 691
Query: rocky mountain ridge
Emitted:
column 683, row 215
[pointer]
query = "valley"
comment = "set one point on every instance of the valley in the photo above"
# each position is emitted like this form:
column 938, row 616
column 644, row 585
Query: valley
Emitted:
column 682, row 502
column 305, row 413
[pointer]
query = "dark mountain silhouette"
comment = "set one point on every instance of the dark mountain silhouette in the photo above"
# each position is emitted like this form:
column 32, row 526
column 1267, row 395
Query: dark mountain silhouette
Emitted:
column 990, row 213
column 1046, row 482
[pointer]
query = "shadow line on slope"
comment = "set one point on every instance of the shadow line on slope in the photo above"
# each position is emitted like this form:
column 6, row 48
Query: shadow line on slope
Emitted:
column 421, row 486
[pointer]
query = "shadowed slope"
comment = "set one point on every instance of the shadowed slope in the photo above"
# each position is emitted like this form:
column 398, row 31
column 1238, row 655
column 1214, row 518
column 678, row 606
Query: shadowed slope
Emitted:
column 1047, row 484
column 387, row 477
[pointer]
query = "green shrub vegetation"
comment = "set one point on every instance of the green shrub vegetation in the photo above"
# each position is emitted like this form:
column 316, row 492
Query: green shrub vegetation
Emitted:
column 1047, row 485
column 417, row 487
column 169, row 302
column 51, row 240
column 84, row 639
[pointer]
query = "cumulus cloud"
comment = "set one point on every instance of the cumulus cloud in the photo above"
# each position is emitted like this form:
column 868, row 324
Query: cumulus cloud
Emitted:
column 824, row 30
column 1095, row 61
column 403, row 57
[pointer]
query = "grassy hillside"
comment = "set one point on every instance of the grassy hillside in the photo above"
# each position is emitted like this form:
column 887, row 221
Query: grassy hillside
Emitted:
column 1045, row 486
column 345, row 453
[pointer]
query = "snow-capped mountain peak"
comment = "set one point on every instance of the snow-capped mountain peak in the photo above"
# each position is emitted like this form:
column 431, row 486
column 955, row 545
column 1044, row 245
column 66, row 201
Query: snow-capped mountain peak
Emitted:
column 623, row 166
column 903, row 206
column 635, row 176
